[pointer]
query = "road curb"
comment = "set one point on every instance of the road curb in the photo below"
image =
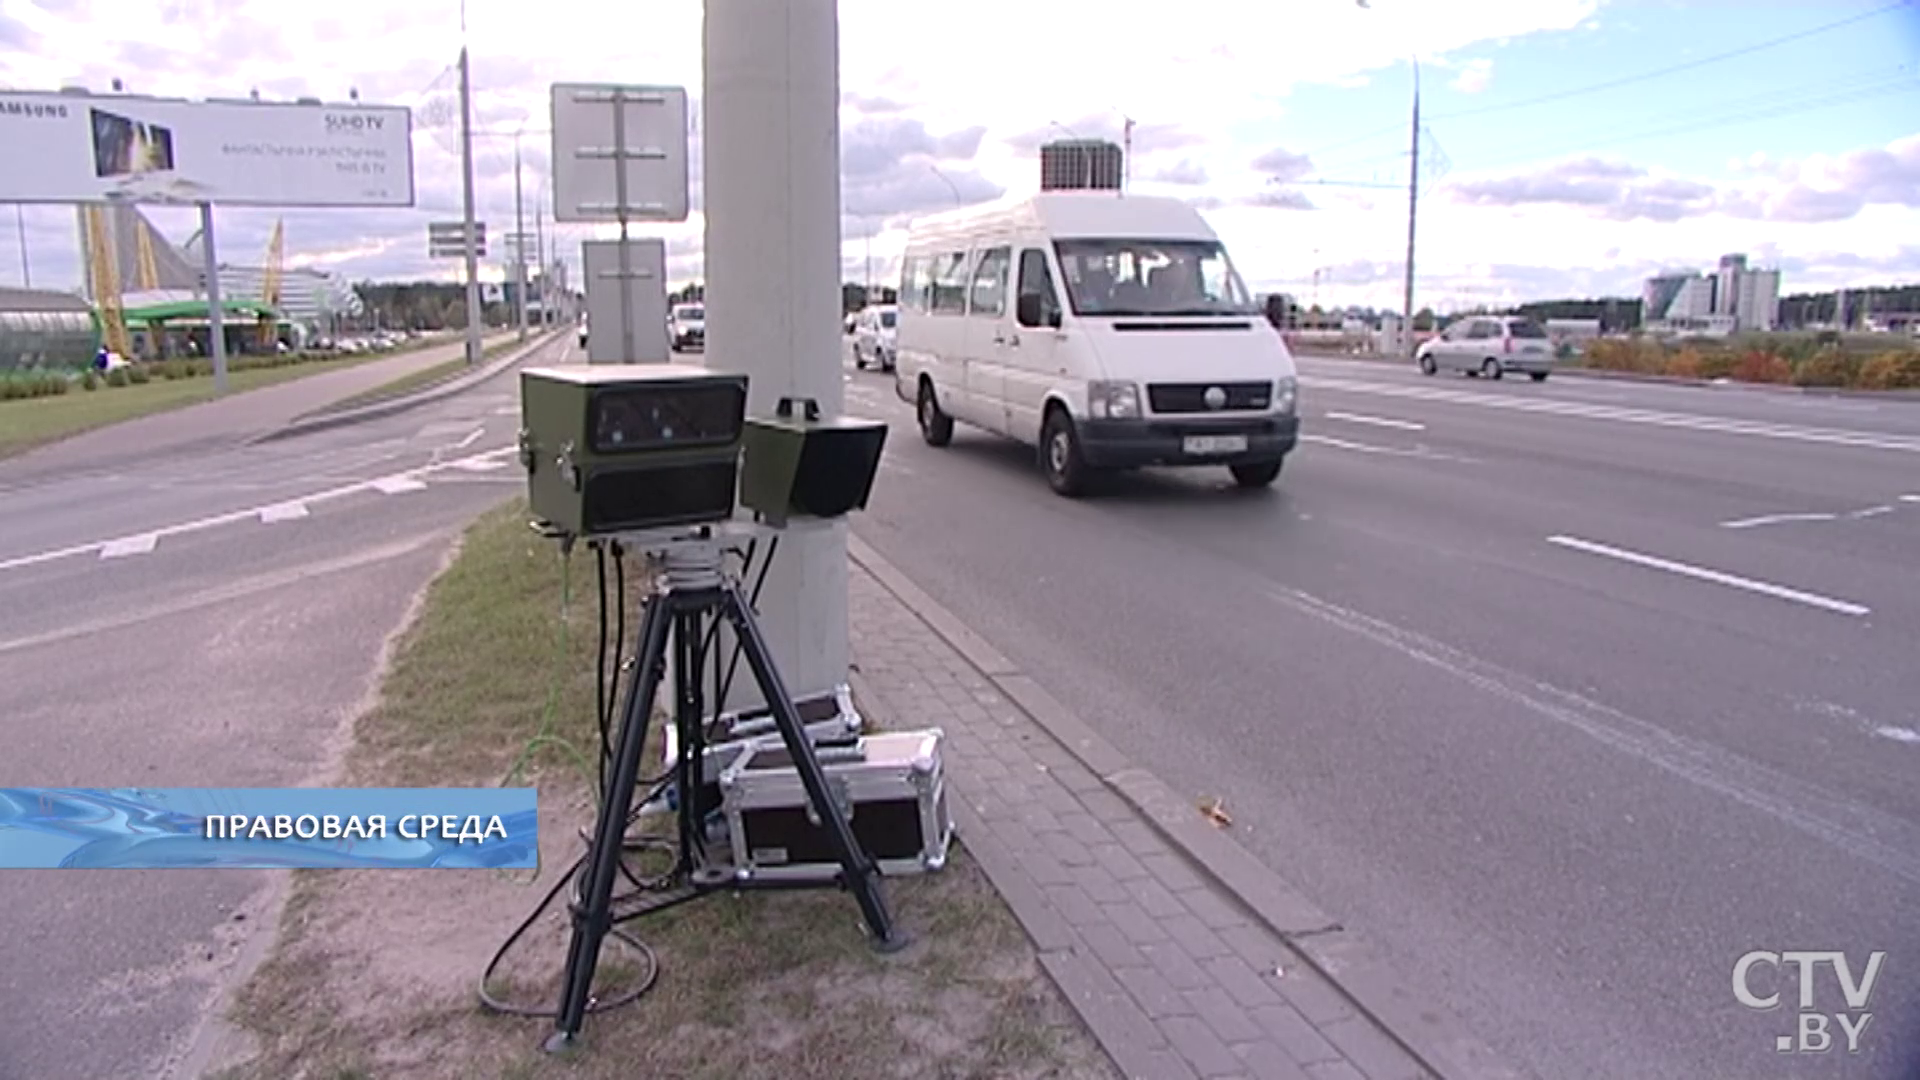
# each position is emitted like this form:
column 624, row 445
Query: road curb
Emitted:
column 1427, row 1030
column 322, row 421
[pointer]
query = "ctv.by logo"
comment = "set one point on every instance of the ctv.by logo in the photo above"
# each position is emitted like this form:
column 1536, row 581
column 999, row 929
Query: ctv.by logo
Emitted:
column 1812, row 1034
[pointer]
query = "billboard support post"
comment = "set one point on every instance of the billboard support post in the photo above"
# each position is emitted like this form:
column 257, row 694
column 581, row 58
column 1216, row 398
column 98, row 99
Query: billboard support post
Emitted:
column 474, row 316
column 519, row 242
column 216, row 321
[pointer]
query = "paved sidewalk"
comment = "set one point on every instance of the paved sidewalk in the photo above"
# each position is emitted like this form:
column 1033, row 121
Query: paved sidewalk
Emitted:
column 222, row 421
column 1170, row 972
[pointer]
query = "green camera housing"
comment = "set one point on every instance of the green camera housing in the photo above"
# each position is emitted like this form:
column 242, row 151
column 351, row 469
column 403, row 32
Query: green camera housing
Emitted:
column 805, row 467
column 622, row 448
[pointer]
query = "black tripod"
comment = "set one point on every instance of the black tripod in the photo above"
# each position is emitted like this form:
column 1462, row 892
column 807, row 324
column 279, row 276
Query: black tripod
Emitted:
column 696, row 590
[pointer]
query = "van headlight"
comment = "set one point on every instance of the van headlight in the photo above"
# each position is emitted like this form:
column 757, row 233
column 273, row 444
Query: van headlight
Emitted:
column 1113, row 400
column 1286, row 395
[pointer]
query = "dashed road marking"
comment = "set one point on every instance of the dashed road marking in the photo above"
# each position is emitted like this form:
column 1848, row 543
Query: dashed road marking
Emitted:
column 292, row 511
column 143, row 542
column 1377, row 421
column 1718, row 577
column 1775, row 519
column 397, row 485
column 129, row 545
column 479, row 465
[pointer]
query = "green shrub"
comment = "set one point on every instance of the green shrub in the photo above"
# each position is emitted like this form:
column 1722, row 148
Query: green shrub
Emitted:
column 55, row 385
column 118, row 377
column 138, row 375
column 10, row 389
column 1892, row 370
column 90, row 381
column 1831, row 366
column 1761, row 366
column 200, row 368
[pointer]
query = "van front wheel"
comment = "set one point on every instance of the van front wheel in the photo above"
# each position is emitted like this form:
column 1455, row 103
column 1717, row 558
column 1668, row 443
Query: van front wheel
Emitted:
column 936, row 427
column 1060, row 455
column 1255, row 476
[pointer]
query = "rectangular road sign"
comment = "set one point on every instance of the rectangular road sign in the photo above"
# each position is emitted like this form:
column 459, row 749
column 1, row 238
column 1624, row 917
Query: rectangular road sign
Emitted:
column 626, row 310
column 619, row 153
column 79, row 147
column 448, row 239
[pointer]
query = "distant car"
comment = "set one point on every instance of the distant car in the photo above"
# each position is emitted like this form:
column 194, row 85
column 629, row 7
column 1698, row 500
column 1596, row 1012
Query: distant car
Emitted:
column 687, row 327
column 1489, row 346
column 874, row 337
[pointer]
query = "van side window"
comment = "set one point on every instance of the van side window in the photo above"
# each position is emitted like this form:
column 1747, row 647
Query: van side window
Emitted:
column 916, row 282
column 1037, row 280
column 950, row 284
column 989, row 293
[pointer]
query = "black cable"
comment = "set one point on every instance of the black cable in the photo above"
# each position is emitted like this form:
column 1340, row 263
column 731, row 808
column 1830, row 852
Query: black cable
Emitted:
column 600, row 663
column 740, row 647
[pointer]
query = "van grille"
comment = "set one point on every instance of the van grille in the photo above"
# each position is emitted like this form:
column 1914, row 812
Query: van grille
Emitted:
column 1192, row 397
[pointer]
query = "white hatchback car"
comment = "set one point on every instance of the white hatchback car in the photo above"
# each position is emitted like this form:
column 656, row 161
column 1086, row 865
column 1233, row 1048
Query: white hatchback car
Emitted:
column 1489, row 346
column 873, row 337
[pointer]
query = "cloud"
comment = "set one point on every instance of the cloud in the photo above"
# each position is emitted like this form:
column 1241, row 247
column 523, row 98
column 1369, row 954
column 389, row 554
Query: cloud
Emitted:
column 1828, row 189
column 1474, row 77
column 1280, row 199
column 1611, row 189
column 1283, row 165
column 16, row 36
column 1186, row 172
column 873, row 104
column 893, row 167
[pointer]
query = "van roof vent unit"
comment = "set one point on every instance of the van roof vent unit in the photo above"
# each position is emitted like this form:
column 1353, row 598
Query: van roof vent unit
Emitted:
column 1081, row 165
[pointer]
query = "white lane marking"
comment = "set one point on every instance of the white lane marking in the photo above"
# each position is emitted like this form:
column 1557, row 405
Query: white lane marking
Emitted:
column 1689, row 421
column 1775, row 519
column 238, row 515
column 1898, row 734
column 481, row 465
column 1377, row 421
column 1701, row 573
column 1910, row 498
column 1880, row 838
column 397, row 485
column 129, row 545
column 507, row 410
column 889, row 465
column 1419, row 452
column 292, row 511
column 472, row 437
column 1871, row 511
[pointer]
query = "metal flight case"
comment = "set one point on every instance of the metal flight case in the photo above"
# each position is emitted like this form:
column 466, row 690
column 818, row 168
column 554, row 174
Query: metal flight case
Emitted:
column 891, row 787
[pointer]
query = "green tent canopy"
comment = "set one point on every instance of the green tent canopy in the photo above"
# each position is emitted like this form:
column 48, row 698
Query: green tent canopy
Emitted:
column 196, row 311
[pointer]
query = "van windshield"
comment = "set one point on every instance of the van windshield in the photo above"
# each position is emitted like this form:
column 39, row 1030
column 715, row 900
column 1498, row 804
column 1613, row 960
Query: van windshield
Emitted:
column 886, row 319
column 691, row 314
column 1151, row 277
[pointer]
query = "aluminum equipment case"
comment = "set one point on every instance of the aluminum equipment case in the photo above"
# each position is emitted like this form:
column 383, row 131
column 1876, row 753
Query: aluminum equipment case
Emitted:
column 892, row 786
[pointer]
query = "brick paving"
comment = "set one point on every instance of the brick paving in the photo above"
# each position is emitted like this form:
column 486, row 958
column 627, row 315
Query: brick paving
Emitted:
column 1173, row 977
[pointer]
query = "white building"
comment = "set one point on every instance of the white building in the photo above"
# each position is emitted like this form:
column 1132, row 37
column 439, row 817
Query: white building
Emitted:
column 1732, row 298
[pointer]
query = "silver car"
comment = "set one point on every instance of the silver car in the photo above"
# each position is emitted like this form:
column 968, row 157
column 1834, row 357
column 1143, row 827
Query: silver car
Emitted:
column 1489, row 346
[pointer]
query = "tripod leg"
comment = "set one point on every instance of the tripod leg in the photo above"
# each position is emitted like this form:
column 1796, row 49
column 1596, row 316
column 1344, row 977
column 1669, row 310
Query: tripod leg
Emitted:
column 592, row 917
column 857, row 869
column 690, row 767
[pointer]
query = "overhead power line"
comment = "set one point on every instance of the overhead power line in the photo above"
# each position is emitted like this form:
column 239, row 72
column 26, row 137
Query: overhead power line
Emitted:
column 1690, row 65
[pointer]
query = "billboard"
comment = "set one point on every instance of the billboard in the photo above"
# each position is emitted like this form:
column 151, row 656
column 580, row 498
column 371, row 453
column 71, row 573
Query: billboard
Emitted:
column 619, row 153
column 66, row 148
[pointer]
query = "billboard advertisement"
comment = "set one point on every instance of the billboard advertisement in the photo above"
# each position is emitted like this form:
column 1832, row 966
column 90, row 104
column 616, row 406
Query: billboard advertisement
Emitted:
column 67, row 148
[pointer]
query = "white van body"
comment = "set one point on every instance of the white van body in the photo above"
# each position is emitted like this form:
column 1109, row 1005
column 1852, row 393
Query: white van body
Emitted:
column 1109, row 330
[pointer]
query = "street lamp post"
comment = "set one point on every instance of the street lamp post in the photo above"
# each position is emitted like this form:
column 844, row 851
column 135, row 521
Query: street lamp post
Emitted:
column 1413, row 185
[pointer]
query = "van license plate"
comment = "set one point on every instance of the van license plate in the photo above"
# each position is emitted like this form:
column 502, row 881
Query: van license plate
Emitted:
column 1215, row 444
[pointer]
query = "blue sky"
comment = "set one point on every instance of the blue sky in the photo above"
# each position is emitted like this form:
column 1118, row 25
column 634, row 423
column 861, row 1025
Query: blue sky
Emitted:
column 1804, row 155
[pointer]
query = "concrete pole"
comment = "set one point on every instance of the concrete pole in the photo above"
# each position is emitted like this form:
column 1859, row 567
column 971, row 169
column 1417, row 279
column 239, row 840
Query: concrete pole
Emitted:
column 519, row 242
column 772, row 111
column 1413, row 206
column 475, row 317
column 216, row 312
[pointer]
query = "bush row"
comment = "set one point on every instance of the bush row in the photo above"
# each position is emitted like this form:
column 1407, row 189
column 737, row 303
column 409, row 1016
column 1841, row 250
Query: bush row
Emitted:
column 35, row 384
column 1826, row 365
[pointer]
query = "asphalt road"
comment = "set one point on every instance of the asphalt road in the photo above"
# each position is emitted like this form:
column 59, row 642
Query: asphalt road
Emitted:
column 206, row 620
column 1534, row 685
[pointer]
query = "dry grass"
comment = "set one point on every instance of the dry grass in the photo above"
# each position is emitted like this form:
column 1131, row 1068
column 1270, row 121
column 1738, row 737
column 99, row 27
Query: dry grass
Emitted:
column 374, row 973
